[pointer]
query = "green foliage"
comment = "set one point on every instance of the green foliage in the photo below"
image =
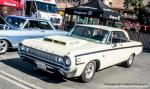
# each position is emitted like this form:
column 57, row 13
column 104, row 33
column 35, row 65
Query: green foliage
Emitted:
column 133, row 3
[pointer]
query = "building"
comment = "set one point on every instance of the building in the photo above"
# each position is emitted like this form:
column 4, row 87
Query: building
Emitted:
column 108, row 2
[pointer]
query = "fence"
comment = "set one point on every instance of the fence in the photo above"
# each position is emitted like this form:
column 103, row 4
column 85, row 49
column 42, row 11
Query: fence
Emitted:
column 142, row 37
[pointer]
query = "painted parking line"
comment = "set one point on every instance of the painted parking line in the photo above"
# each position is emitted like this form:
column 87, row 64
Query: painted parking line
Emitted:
column 14, row 80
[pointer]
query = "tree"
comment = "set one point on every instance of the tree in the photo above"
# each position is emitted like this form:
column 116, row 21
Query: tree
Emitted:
column 148, row 8
column 135, row 4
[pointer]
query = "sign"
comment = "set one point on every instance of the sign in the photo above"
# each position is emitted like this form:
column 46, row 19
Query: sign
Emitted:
column 12, row 3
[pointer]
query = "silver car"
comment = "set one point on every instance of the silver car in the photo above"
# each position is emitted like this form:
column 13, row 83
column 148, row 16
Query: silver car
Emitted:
column 14, row 29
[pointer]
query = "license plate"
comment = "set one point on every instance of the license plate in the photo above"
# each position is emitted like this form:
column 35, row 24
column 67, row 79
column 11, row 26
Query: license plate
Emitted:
column 41, row 65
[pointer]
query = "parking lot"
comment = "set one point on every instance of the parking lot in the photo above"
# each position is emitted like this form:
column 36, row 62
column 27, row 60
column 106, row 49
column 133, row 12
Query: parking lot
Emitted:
column 15, row 74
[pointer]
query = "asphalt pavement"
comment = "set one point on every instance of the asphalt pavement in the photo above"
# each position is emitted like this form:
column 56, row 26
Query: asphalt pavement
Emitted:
column 16, row 74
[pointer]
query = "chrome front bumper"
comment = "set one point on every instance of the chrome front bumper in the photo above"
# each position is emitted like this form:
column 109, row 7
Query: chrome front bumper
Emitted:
column 50, row 66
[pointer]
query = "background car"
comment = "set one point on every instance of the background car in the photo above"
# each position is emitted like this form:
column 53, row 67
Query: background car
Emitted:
column 17, row 28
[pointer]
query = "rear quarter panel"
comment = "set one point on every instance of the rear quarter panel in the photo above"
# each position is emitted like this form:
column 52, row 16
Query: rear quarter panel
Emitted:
column 138, row 47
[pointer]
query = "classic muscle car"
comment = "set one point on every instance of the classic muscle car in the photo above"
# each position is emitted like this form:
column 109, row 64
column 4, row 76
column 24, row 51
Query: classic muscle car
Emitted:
column 14, row 29
column 85, row 50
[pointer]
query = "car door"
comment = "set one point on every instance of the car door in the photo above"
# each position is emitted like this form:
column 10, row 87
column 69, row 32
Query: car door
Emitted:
column 29, row 31
column 46, row 28
column 33, row 29
column 120, row 46
column 118, row 49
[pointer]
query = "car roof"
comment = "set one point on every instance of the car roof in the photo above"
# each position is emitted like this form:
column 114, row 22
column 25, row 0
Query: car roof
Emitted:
column 101, row 27
column 25, row 18
column 21, row 17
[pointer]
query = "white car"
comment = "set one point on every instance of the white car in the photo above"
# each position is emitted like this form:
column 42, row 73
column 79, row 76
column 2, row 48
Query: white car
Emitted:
column 86, row 49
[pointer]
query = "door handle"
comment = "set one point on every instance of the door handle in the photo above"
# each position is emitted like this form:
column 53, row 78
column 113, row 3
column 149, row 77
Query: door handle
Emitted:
column 114, row 45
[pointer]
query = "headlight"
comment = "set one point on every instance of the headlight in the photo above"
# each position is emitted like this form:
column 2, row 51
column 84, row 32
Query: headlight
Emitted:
column 60, row 59
column 22, row 47
column 67, row 61
column 27, row 49
column 64, row 60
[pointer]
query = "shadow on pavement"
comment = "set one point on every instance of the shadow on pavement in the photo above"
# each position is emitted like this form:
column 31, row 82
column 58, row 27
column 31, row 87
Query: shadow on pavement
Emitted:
column 12, row 50
column 33, row 71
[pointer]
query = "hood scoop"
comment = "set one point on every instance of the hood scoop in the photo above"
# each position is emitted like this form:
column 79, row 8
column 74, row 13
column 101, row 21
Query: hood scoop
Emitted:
column 67, row 41
column 54, row 41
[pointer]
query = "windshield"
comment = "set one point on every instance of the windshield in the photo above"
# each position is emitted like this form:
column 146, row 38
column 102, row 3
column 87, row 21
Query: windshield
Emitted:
column 15, row 22
column 91, row 34
column 46, row 7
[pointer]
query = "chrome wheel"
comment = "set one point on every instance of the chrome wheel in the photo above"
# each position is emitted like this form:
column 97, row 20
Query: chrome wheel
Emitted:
column 130, row 60
column 89, row 71
column 3, row 46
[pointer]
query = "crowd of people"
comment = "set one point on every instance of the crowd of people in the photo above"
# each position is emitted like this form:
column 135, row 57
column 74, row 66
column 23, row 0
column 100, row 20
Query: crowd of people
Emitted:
column 135, row 26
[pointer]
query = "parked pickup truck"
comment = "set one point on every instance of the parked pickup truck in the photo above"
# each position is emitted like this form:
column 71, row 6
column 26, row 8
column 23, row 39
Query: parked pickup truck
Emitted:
column 85, row 50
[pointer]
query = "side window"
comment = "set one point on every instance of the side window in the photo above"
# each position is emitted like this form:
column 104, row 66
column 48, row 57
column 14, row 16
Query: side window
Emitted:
column 118, row 37
column 32, row 25
column 44, row 25
column 38, row 25
column 13, row 21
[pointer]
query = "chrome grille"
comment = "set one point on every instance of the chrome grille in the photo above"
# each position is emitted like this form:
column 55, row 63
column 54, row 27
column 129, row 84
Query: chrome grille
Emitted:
column 40, row 54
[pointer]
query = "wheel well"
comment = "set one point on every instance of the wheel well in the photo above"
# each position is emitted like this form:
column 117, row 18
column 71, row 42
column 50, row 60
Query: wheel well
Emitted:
column 97, row 64
column 133, row 54
column 9, row 44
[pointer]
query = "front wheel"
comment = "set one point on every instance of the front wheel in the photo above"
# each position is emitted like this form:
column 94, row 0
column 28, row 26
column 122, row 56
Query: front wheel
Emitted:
column 88, row 73
column 3, row 46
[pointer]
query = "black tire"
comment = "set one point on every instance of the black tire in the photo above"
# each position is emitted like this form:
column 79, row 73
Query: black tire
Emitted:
column 84, row 77
column 4, row 45
column 129, row 62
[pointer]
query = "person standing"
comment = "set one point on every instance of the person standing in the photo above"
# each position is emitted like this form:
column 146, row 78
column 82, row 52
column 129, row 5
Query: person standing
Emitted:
column 137, row 26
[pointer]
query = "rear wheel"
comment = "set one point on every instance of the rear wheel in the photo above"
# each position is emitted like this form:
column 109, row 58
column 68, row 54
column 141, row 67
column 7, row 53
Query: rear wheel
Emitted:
column 88, row 72
column 129, row 62
column 4, row 45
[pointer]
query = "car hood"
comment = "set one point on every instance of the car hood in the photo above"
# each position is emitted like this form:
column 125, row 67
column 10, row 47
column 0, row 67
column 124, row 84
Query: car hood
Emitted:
column 60, row 45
